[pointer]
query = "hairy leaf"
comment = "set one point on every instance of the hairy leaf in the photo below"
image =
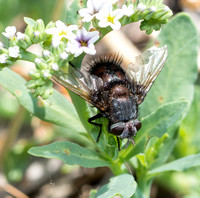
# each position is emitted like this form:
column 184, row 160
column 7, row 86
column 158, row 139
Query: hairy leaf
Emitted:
column 122, row 185
column 70, row 153
column 56, row 109
column 178, row 165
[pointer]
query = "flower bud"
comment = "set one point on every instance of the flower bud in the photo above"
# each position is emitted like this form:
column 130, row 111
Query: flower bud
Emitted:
column 46, row 54
column 31, row 84
column 34, row 74
column 54, row 67
column 40, row 64
column 29, row 31
column 47, row 92
column 40, row 82
column 39, row 25
column 46, row 73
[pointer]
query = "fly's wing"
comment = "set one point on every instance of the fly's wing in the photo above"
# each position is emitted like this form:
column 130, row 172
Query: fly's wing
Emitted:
column 78, row 83
column 145, row 70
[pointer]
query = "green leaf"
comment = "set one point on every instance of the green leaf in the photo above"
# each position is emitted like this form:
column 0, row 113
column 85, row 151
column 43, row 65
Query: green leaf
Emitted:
column 176, row 80
column 166, row 149
column 72, row 15
column 55, row 109
column 122, row 185
column 190, row 129
column 178, row 165
column 138, row 193
column 156, row 124
column 29, row 21
column 83, row 110
column 70, row 153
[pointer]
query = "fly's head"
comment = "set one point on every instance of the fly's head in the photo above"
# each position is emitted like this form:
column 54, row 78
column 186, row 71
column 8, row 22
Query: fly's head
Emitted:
column 125, row 129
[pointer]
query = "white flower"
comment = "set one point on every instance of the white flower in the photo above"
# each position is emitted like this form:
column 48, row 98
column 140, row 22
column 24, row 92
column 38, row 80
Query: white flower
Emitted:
column 61, row 31
column 10, row 32
column 36, row 33
column 108, row 17
column 46, row 53
column 31, row 72
column 141, row 7
column 93, row 7
column 46, row 73
column 13, row 51
column 54, row 66
column 127, row 10
column 55, row 41
column 153, row 9
column 84, row 42
column 38, row 60
column 3, row 58
column 166, row 8
column 1, row 45
column 64, row 56
column 20, row 36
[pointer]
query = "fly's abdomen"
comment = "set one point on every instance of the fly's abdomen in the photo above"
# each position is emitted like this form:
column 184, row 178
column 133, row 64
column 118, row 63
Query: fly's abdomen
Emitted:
column 109, row 70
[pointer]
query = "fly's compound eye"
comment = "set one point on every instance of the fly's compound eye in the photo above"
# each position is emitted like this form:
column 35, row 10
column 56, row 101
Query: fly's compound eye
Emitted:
column 117, row 129
column 138, row 125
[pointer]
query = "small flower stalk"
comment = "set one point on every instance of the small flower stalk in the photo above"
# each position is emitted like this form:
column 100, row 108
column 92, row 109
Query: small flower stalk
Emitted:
column 62, row 43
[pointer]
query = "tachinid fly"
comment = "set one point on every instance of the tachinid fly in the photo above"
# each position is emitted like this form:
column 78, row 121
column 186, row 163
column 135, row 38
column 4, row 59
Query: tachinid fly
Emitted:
column 115, row 92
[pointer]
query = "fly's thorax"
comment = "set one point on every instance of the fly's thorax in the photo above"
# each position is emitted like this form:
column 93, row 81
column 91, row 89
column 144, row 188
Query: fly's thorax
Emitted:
column 123, row 106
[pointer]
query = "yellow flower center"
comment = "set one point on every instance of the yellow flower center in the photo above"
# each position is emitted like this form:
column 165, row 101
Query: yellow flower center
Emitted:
column 110, row 19
column 62, row 33
column 83, row 43
column 13, row 38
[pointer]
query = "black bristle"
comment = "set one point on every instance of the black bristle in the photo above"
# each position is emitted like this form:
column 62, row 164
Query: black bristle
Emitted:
column 111, row 62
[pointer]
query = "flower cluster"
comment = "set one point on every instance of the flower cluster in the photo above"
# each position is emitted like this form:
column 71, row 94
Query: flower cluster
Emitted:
column 66, row 42
column 7, row 55
column 103, row 14
column 62, row 43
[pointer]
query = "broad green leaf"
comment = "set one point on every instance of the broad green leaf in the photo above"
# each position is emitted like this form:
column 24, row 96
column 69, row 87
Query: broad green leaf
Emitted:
column 72, row 15
column 176, row 80
column 70, row 153
column 122, row 185
column 83, row 110
column 156, row 124
column 55, row 109
column 8, row 109
column 178, row 165
column 190, row 129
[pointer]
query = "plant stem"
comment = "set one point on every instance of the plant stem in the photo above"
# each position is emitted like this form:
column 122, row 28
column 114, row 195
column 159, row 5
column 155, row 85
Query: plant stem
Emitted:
column 12, row 133
column 145, row 186
column 116, row 168
column 58, row 10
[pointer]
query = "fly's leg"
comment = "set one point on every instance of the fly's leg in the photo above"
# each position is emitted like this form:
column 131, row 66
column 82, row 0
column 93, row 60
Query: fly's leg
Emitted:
column 90, row 120
column 118, row 144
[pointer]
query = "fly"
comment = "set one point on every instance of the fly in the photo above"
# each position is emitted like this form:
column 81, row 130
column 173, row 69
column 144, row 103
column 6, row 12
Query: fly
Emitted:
column 116, row 92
